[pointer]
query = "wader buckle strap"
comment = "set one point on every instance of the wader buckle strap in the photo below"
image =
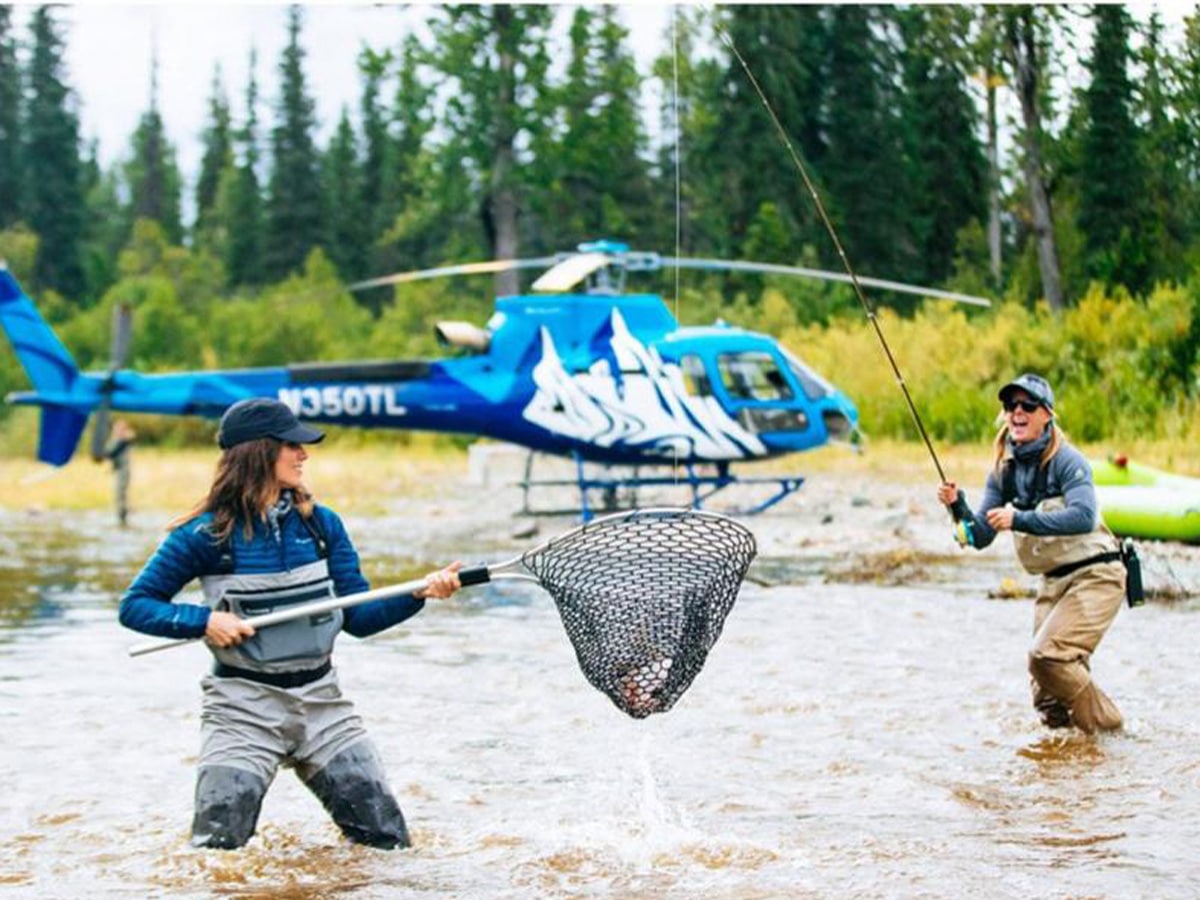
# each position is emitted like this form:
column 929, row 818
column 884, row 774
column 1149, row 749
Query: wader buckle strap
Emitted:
column 275, row 679
column 1112, row 556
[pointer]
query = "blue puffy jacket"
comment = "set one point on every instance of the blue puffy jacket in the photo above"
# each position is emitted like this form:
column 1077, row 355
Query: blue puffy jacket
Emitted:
column 189, row 552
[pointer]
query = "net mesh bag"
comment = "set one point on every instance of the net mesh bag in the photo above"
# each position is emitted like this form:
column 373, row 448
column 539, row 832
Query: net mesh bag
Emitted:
column 644, row 596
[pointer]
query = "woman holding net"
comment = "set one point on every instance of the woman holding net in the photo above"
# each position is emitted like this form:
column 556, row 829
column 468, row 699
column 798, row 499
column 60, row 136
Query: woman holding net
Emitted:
column 259, row 543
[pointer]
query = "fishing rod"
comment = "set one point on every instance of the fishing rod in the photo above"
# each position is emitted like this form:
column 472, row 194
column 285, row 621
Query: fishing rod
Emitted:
column 959, row 510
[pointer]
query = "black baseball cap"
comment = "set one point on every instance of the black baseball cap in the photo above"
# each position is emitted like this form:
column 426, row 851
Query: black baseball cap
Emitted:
column 1035, row 386
column 262, row 417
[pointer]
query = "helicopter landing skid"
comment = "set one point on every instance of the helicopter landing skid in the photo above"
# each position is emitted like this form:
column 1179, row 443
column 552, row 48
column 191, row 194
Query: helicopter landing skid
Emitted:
column 619, row 492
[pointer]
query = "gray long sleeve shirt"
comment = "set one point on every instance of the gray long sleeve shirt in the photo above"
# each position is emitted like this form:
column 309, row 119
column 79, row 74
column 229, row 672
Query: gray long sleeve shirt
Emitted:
column 1068, row 475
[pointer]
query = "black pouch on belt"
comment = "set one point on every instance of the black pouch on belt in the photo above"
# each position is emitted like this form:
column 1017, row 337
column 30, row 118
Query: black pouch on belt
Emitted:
column 1134, row 595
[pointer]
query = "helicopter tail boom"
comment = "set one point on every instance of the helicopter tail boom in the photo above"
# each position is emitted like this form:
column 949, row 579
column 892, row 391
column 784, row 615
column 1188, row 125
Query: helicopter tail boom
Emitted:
column 52, row 370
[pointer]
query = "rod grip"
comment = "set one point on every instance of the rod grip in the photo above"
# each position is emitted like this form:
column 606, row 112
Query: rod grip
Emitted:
column 960, row 512
column 474, row 575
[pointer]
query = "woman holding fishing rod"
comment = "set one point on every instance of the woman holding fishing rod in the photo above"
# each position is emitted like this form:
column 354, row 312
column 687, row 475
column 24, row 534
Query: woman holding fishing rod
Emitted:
column 1041, row 490
column 258, row 542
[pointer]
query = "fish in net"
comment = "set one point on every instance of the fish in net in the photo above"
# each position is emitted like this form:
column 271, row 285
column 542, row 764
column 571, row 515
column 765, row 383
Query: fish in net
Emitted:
column 643, row 596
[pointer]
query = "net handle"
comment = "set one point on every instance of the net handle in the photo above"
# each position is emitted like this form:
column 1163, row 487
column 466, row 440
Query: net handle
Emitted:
column 511, row 569
column 477, row 575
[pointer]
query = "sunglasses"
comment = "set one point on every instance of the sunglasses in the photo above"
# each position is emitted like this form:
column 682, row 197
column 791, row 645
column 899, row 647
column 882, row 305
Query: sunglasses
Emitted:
column 1028, row 406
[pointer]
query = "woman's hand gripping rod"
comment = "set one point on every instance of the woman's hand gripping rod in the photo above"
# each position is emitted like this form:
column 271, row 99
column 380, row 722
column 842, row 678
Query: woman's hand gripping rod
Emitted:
column 467, row 577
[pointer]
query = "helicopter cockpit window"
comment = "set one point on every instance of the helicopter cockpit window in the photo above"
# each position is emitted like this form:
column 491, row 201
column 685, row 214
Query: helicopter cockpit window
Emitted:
column 814, row 386
column 753, row 376
column 695, row 376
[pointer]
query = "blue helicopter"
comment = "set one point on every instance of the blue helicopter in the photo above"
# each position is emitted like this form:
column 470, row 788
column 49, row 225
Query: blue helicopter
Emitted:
column 593, row 374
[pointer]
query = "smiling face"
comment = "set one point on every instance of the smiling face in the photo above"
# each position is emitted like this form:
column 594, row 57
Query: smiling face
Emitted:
column 289, row 468
column 1025, row 425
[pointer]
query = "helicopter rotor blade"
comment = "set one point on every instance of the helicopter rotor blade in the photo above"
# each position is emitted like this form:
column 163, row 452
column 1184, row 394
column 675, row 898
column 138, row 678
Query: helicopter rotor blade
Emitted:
column 722, row 265
column 122, row 334
column 572, row 270
column 479, row 268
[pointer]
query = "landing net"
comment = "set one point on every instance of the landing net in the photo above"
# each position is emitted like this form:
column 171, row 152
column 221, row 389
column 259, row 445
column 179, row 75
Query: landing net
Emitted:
column 644, row 596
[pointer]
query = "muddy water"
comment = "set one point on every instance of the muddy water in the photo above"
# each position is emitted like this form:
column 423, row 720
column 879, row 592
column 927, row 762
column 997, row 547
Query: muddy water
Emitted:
column 845, row 739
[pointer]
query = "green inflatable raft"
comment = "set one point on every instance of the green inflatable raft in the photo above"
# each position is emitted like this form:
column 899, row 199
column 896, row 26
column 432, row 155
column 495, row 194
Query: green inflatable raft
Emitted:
column 1142, row 502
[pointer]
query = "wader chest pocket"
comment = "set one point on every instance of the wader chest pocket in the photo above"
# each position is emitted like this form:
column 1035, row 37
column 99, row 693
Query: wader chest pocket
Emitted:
column 311, row 637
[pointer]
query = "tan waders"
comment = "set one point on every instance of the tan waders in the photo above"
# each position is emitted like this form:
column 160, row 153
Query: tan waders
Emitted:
column 1082, row 589
column 1071, row 616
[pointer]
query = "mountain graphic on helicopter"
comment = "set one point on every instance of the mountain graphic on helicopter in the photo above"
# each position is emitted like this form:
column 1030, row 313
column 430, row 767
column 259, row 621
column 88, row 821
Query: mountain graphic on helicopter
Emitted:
column 576, row 368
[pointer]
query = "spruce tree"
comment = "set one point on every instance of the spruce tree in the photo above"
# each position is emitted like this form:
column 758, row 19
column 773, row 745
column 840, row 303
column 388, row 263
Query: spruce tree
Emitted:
column 1024, row 48
column 945, row 162
column 787, row 48
column 153, row 176
column 422, row 211
column 496, row 59
column 372, row 201
column 346, row 225
column 53, row 169
column 1112, row 176
column 217, row 155
column 108, row 223
column 1170, row 198
column 597, row 177
column 864, row 162
column 294, row 209
column 11, row 207
column 242, row 204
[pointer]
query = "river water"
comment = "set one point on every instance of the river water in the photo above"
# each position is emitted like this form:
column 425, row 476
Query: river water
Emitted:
column 844, row 740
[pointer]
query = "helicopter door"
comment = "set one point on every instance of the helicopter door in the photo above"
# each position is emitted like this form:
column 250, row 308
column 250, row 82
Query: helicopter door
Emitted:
column 760, row 391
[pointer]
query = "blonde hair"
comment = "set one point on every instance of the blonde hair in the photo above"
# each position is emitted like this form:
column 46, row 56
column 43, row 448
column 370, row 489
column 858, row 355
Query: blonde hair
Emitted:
column 1000, row 446
column 243, row 487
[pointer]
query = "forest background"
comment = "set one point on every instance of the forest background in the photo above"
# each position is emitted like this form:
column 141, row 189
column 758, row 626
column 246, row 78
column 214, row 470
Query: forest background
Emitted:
column 1047, row 157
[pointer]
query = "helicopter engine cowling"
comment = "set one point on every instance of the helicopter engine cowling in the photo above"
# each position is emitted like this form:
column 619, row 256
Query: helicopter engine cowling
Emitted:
column 463, row 334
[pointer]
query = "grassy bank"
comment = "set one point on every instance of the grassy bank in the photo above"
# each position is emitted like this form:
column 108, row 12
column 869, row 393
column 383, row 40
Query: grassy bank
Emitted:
column 367, row 480
column 166, row 482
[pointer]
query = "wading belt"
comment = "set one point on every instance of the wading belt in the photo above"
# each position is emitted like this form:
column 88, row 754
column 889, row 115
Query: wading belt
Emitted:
column 275, row 679
column 1112, row 556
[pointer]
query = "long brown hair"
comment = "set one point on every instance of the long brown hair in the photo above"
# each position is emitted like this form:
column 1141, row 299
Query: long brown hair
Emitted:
column 243, row 488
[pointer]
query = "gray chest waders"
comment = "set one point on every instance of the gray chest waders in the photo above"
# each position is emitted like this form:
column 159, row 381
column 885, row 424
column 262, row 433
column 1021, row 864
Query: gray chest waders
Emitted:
column 300, row 645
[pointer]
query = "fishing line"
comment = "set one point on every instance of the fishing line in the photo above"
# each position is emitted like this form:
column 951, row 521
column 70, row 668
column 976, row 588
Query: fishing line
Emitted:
column 678, row 182
column 868, row 308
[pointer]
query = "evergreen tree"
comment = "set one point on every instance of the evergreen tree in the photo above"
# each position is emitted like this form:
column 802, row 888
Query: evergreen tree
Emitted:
column 1024, row 44
column 496, row 59
column 690, row 85
column 946, row 166
column 346, row 225
column 598, row 169
column 153, row 176
column 787, row 48
column 1170, row 199
column 53, row 170
column 414, row 231
column 1112, row 176
column 864, row 162
column 217, row 155
column 294, row 213
column 241, row 205
column 413, row 123
column 373, row 202
column 108, row 224
column 11, row 207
